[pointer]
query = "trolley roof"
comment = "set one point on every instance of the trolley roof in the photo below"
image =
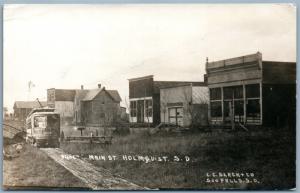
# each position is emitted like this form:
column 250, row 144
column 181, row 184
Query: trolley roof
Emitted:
column 45, row 110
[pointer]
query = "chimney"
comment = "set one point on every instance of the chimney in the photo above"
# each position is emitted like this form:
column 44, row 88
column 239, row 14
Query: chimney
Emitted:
column 206, row 64
column 99, row 85
column 81, row 87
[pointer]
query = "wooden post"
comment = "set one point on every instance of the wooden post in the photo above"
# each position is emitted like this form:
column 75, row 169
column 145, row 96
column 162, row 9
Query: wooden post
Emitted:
column 222, row 104
column 231, row 113
column 261, row 101
column 245, row 104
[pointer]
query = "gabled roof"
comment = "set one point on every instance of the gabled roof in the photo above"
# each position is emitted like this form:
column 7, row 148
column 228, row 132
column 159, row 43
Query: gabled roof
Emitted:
column 115, row 95
column 64, row 94
column 29, row 104
column 91, row 94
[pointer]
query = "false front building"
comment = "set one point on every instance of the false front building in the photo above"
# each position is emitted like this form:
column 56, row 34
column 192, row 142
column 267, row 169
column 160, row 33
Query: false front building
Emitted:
column 63, row 102
column 185, row 105
column 144, row 98
column 251, row 91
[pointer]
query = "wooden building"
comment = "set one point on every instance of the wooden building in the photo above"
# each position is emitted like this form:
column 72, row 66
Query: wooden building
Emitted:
column 96, row 107
column 23, row 108
column 144, row 98
column 185, row 105
column 63, row 102
column 251, row 91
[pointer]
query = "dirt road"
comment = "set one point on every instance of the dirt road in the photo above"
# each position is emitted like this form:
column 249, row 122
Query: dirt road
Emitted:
column 96, row 178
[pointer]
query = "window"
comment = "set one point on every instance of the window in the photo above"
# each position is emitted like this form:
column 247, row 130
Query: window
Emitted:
column 40, row 121
column 239, row 111
column 234, row 92
column 133, row 108
column 215, row 94
column 148, row 105
column 216, row 109
column 227, row 106
column 252, row 91
column 215, row 102
column 253, row 103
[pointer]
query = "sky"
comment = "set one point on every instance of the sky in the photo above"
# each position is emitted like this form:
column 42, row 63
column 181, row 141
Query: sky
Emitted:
column 66, row 46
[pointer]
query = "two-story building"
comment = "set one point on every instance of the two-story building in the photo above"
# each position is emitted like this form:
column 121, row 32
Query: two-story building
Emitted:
column 96, row 107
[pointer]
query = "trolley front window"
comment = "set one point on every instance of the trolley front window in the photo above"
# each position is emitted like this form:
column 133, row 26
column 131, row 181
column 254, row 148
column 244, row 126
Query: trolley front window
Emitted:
column 40, row 121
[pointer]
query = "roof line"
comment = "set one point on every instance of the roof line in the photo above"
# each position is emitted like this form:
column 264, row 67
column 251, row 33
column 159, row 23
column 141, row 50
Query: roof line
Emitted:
column 140, row 78
column 187, row 84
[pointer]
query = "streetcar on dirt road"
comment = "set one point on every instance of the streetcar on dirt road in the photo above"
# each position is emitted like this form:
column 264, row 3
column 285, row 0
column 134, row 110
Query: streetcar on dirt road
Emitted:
column 43, row 127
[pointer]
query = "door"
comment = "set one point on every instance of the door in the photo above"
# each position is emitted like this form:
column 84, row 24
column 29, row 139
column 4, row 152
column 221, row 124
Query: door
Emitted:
column 176, row 116
column 140, row 111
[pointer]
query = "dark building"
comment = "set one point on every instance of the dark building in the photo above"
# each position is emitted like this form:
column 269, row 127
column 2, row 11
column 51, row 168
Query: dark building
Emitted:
column 23, row 108
column 144, row 97
column 96, row 107
column 251, row 91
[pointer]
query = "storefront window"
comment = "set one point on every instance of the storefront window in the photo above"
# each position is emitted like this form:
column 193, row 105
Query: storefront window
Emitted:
column 253, row 110
column 252, row 91
column 148, row 105
column 233, row 92
column 133, row 108
column 215, row 94
column 216, row 109
column 239, row 111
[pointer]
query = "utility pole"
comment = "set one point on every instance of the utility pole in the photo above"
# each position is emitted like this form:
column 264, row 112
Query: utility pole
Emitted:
column 39, row 102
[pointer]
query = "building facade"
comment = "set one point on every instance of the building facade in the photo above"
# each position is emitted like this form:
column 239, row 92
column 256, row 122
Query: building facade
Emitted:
column 23, row 108
column 96, row 107
column 185, row 105
column 251, row 91
column 144, row 98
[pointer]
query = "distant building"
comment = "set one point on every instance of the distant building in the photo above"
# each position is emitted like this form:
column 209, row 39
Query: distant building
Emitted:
column 23, row 108
column 63, row 102
column 185, row 105
column 144, row 98
column 124, row 114
column 5, row 115
column 252, row 91
column 96, row 107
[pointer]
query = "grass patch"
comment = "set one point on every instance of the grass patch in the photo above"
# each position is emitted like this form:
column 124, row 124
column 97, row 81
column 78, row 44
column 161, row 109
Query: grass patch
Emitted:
column 35, row 170
column 270, row 155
